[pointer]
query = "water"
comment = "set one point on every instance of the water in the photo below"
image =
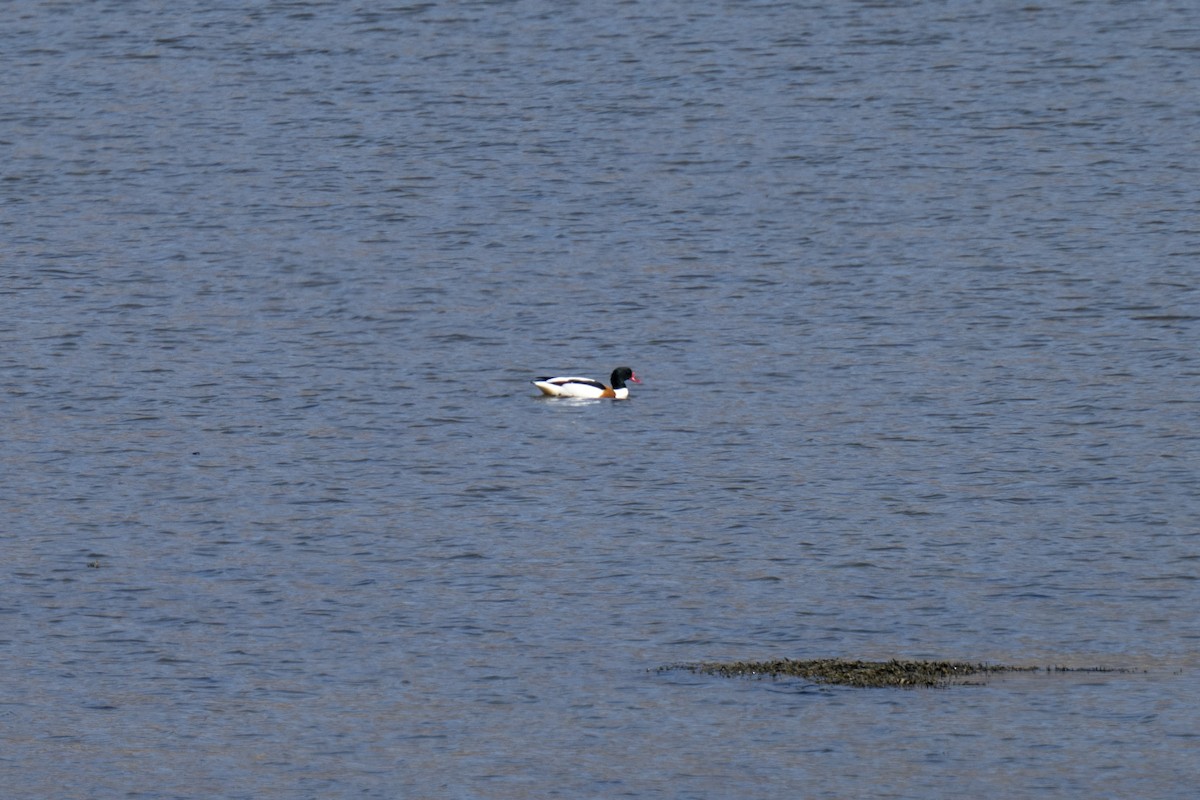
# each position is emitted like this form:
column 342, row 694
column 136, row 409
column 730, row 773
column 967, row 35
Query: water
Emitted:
column 912, row 291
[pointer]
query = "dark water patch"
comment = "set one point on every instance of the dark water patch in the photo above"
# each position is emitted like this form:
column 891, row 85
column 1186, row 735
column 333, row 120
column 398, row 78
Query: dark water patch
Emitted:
column 872, row 674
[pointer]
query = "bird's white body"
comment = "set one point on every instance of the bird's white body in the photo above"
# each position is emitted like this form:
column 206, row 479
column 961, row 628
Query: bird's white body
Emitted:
column 579, row 387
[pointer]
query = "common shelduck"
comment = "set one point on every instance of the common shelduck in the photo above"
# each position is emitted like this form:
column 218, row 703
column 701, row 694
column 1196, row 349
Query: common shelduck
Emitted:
column 586, row 387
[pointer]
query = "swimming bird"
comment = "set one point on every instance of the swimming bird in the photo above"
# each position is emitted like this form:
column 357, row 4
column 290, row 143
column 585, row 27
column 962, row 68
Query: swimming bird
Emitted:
column 586, row 387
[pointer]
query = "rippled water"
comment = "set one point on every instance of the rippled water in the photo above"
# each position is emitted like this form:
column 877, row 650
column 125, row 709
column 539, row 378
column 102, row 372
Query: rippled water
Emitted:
column 912, row 289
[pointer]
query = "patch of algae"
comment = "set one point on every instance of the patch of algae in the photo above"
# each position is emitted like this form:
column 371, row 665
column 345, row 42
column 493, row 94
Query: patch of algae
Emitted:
column 856, row 673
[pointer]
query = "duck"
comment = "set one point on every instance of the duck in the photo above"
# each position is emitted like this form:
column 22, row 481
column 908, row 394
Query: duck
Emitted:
column 588, row 388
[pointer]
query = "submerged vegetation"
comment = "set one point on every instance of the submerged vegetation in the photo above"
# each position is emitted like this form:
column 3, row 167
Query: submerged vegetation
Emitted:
column 866, row 673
